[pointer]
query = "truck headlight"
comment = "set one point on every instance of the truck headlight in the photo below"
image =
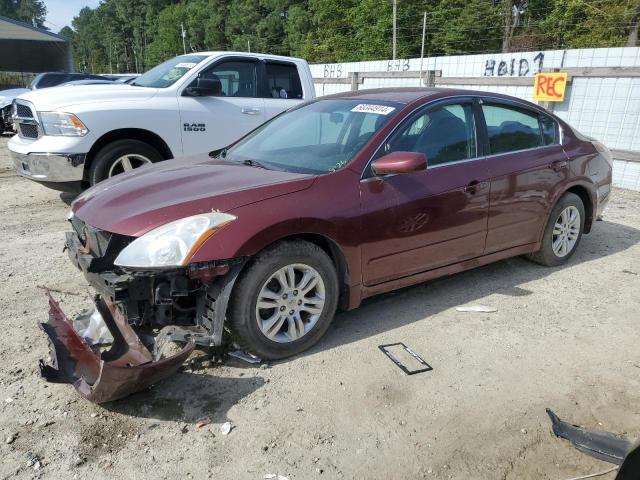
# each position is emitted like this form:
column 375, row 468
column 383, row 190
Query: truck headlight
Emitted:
column 62, row 124
column 173, row 244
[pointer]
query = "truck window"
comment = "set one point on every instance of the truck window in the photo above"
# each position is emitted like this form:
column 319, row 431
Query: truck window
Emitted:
column 237, row 78
column 283, row 80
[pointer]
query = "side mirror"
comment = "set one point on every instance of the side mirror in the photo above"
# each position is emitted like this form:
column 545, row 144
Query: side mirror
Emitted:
column 399, row 162
column 204, row 87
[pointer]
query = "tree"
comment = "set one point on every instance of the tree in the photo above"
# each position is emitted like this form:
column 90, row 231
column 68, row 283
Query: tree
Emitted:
column 32, row 12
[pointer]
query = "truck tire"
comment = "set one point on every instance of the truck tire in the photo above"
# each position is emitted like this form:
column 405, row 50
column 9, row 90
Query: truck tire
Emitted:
column 120, row 156
column 562, row 233
column 293, row 285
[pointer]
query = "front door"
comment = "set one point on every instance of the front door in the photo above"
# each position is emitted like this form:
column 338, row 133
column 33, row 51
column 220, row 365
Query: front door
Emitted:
column 212, row 122
column 433, row 218
column 526, row 163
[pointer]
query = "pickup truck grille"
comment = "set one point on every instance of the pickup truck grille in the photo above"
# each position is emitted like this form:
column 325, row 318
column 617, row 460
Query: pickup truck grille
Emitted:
column 23, row 111
column 25, row 119
column 28, row 130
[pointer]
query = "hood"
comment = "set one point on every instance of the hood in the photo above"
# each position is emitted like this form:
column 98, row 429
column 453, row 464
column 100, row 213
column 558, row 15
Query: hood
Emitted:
column 47, row 99
column 7, row 96
column 136, row 202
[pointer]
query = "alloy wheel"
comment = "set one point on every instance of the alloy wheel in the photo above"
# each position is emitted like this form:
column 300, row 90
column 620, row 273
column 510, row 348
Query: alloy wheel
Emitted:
column 566, row 231
column 126, row 163
column 290, row 303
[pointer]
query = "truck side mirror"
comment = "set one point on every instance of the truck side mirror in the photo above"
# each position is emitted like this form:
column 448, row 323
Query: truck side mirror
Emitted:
column 204, row 87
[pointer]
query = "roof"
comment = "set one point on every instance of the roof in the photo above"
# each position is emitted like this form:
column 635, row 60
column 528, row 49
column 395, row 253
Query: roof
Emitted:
column 406, row 95
column 11, row 29
column 251, row 54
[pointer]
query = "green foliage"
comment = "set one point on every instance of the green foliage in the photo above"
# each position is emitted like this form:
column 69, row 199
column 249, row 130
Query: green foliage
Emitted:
column 28, row 11
column 127, row 36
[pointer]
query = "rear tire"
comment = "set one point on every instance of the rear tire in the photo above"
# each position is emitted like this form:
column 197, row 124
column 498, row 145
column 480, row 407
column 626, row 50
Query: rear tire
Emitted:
column 300, row 314
column 563, row 232
column 116, row 157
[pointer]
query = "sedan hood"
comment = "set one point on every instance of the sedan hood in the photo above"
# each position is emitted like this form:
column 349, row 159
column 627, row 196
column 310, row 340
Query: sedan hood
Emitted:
column 47, row 99
column 134, row 203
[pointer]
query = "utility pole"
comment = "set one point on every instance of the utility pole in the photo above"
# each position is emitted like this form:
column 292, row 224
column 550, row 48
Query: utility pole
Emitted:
column 424, row 31
column 249, row 46
column 395, row 7
column 184, row 34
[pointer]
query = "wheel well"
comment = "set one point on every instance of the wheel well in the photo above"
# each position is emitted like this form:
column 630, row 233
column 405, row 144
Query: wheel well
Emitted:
column 332, row 249
column 128, row 134
column 583, row 193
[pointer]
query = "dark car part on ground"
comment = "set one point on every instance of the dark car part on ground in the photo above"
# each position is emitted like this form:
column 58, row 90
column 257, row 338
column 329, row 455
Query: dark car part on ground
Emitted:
column 102, row 376
column 605, row 446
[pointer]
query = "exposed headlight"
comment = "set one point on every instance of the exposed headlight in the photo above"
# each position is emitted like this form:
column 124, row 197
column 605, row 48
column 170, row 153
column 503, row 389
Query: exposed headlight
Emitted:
column 173, row 244
column 62, row 124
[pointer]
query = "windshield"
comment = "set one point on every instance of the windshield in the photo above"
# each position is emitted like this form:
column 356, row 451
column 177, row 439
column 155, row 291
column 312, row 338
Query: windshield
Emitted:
column 316, row 138
column 169, row 72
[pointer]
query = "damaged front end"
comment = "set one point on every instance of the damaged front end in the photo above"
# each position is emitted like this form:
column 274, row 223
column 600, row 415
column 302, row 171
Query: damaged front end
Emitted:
column 101, row 376
column 141, row 310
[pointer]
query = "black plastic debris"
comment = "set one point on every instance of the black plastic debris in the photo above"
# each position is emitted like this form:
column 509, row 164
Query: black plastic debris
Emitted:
column 425, row 367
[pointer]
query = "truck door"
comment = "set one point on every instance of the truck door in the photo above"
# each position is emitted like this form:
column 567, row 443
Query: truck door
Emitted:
column 231, row 109
column 283, row 89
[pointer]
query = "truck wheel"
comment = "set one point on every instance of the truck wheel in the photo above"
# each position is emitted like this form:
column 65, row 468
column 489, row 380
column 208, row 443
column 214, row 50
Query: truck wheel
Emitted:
column 119, row 157
column 562, row 233
column 284, row 300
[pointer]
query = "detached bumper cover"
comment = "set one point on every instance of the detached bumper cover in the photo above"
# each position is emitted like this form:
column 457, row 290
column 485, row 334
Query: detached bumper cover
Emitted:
column 126, row 368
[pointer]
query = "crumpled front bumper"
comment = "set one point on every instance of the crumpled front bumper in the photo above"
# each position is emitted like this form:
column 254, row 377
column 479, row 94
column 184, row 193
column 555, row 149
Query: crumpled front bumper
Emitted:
column 127, row 367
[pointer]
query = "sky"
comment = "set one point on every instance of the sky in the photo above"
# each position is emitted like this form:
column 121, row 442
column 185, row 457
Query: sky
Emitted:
column 61, row 12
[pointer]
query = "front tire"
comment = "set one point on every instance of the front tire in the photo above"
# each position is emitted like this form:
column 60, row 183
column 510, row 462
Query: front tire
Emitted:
column 562, row 233
column 284, row 300
column 119, row 157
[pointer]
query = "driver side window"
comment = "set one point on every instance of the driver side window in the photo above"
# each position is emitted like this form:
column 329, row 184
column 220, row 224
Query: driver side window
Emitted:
column 232, row 79
column 445, row 134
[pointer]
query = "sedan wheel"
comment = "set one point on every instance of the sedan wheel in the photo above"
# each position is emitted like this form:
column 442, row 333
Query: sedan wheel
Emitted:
column 126, row 163
column 566, row 231
column 284, row 300
column 562, row 233
column 290, row 303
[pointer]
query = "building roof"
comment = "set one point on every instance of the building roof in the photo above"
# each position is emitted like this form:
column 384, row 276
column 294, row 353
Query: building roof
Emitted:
column 11, row 29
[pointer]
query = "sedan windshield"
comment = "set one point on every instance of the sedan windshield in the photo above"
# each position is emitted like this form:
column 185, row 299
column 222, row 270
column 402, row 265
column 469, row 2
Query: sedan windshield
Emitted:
column 169, row 72
column 316, row 138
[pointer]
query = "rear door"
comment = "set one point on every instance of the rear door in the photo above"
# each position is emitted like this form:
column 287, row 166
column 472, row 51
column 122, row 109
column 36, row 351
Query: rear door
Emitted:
column 429, row 219
column 283, row 88
column 526, row 163
column 212, row 122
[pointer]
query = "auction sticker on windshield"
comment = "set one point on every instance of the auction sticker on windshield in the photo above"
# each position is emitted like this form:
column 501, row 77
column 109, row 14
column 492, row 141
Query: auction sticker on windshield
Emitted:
column 369, row 108
column 188, row 65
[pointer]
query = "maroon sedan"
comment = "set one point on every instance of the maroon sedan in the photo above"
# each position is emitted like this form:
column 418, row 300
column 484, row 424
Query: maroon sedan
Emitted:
column 327, row 204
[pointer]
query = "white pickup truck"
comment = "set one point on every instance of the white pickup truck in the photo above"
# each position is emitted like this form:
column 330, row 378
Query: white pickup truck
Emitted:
column 77, row 136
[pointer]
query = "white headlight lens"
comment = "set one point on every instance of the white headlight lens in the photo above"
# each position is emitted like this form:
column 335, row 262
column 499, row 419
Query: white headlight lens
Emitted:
column 171, row 245
column 62, row 124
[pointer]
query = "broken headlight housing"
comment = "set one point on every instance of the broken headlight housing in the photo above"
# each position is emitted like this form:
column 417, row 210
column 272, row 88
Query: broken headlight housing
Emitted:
column 62, row 124
column 173, row 244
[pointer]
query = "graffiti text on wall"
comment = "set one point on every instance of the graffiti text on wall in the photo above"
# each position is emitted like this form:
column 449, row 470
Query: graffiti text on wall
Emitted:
column 397, row 65
column 515, row 67
column 332, row 70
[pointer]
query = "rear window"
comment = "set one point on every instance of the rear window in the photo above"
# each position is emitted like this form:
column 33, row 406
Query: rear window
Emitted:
column 283, row 81
column 511, row 129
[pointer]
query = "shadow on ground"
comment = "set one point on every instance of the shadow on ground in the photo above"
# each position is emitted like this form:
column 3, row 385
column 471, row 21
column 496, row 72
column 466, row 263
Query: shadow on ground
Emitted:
column 188, row 397
column 506, row 277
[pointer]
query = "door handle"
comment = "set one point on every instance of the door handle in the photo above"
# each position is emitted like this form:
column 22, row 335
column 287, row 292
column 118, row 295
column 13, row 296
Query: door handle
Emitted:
column 250, row 111
column 474, row 186
column 558, row 165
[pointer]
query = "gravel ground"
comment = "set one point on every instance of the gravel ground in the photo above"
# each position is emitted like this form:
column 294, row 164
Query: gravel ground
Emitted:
column 564, row 338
